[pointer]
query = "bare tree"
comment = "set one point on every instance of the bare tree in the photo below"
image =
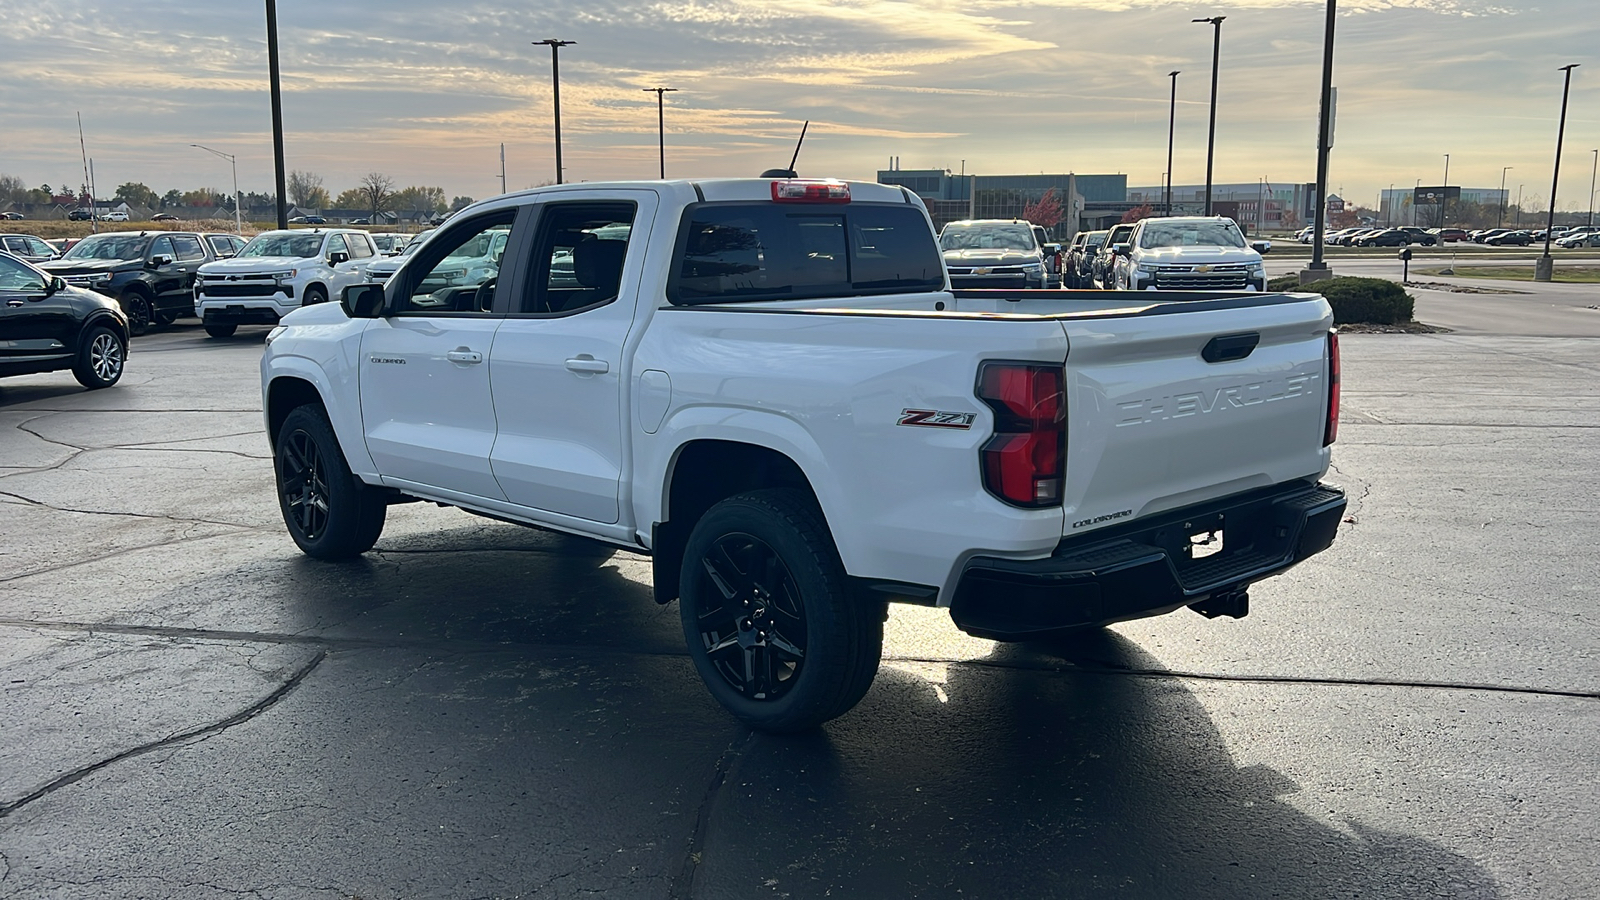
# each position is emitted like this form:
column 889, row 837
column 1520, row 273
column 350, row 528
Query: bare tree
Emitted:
column 378, row 190
column 305, row 189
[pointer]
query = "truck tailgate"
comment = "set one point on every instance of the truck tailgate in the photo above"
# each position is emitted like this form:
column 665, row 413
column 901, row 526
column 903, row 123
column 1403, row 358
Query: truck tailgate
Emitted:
column 1153, row 425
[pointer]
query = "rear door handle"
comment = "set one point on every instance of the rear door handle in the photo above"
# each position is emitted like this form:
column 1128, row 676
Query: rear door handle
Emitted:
column 588, row 365
column 463, row 355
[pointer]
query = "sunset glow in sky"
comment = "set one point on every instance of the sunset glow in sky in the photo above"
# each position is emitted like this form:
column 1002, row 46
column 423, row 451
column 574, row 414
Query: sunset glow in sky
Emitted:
column 425, row 92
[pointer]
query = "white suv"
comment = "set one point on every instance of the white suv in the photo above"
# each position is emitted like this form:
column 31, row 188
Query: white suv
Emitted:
column 277, row 272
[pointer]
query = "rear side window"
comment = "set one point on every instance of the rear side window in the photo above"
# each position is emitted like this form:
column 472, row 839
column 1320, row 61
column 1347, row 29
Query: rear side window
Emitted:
column 769, row 251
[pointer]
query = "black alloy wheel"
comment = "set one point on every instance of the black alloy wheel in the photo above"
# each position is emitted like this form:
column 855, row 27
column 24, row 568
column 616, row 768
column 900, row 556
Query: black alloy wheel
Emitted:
column 328, row 511
column 100, row 358
column 771, row 624
column 221, row 329
column 140, row 313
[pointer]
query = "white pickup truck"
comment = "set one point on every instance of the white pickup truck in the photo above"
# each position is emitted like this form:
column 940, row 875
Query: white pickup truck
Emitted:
column 768, row 386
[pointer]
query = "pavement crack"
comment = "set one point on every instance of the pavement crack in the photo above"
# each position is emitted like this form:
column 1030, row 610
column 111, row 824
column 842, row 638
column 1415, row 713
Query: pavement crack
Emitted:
column 105, row 512
column 204, row 731
column 682, row 886
column 86, row 560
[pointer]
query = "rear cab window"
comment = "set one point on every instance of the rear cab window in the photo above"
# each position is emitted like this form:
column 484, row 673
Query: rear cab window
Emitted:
column 751, row 251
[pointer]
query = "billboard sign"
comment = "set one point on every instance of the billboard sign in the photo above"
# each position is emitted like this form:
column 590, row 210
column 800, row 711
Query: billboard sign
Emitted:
column 1436, row 196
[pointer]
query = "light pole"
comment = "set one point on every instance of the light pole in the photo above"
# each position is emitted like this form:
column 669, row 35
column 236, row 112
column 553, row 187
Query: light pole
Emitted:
column 1172, row 122
column 1318, row 269
column 1390, row 218
column 661, row 123
column 1501, row 220
column 238, row 220
column 1414, row 189
column 1593, row 168
column 1544, row 267
column 1211, row 137
column 277, row 112
column 1444, row 196
column 555, row 81
column 1519, row 206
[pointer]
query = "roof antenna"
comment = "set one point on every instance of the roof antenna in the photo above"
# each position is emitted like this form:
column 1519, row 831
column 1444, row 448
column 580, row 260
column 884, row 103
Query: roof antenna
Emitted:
column 789, row 172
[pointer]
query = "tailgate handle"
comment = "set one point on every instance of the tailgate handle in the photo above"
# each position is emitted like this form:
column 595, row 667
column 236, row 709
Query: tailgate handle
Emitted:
column 1229, row 347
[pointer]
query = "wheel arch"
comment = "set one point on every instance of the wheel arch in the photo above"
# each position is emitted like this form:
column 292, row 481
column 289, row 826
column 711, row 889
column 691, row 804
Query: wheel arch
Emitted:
column 318, row 285
column 702, row 473
column 297, row 382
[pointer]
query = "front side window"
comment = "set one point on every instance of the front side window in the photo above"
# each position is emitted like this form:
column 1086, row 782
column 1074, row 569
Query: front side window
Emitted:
column 459, row 272
column 297, row 245
column 188, row 247
column 336, row 244
column 40, row 248
column 359, row 246
column 163, row 247
column 769, row 251
column 19, row 277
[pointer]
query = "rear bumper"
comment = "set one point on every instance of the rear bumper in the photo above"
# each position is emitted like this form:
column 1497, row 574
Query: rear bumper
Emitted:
column 1145, row 568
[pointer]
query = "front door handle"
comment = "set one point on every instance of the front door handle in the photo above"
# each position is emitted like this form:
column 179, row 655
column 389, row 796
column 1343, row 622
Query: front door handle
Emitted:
column 463, row 355
column 588, row 365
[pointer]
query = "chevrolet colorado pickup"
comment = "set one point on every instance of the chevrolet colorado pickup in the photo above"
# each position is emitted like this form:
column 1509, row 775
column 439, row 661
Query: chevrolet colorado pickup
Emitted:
column 768, row 386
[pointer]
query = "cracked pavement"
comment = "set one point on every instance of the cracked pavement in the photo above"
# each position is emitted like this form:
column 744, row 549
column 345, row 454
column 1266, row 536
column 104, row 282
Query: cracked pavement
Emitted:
column 192, row 709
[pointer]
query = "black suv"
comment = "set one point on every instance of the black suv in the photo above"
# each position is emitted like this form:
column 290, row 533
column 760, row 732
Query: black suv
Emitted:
column 49, row 325
column 150, row 272
column 1079, row 266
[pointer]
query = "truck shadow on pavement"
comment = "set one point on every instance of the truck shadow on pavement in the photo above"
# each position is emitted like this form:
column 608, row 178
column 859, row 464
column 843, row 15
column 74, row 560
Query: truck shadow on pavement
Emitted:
column 1037, row 771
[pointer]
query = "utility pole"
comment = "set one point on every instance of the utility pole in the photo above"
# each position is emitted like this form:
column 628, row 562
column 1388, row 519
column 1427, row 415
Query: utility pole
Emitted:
column 555, row 80
column 661, row 123
column 1211, row 137
column 1172, row 122
column 1593, row 168
column 502, row 168
column 1544, row 266
column 277, row 111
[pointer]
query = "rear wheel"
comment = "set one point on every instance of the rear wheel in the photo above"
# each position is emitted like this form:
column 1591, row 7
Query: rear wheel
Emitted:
column 329, row 512
column 140, row 313
column 768, row 614
column 221, row 329
column 100, row 358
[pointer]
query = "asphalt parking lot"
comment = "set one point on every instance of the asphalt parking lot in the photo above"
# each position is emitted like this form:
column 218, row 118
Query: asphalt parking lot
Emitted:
column 191, row 709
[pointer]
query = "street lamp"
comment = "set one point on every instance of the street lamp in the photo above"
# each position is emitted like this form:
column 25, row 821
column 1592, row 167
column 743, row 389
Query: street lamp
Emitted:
column 1172, row 121
column 1211, row 137
column 661, row 123
column 1502, row 218
column 1593, row 168
column 1444, row 196
column 1544, row 267
column 238, row 220
column 1390, row 217
column 1319, row 269
column 1519, row 206
column 555, row 80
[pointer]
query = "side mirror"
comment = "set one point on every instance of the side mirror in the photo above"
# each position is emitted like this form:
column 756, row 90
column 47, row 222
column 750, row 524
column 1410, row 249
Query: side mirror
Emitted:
column 55, row 284
column 1121, row 249
column 362, row 301
column 1261, row 246
column 156, row 262
column 337, row 257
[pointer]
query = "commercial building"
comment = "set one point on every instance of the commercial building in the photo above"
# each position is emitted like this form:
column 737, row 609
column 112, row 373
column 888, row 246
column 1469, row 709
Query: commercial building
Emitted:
column 1256, row 205
column 1087, row 201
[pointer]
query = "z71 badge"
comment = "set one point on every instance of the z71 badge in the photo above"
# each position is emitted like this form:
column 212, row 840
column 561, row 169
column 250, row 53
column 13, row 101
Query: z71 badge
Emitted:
column 930, row 418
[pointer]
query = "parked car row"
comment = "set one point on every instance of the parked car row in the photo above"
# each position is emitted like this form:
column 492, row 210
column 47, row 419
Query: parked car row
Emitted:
column 150, row 273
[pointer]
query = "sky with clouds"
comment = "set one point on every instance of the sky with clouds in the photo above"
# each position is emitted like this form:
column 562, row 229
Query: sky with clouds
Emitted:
column 425, row 91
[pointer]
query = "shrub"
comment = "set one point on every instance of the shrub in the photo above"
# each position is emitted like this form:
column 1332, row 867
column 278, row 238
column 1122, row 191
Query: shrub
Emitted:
column 1374, row 301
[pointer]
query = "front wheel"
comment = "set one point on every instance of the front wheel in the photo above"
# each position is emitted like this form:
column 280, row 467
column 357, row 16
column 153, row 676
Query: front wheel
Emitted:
column 221, row 329
column 329, row 512
column 139, row 310
column 768, row 615
column 100, row 358
column 314, row 295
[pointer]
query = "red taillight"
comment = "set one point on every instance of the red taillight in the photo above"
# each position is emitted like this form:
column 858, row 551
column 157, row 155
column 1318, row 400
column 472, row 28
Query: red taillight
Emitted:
column 1025, row 462
column 795, row 191
column 1330, row 432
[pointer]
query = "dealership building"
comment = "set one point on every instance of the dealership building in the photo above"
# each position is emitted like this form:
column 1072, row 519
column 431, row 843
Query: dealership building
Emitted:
column 1088, row 202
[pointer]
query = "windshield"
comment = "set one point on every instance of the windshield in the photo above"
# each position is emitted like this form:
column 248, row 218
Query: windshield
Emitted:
column 298, row 245
column 108, row 246
column 986, row 237
column 1190, row 234
column 415, row 242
